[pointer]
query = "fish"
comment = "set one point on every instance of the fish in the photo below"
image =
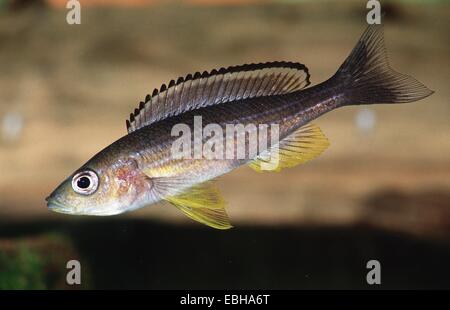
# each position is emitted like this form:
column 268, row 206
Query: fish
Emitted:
column 142, row 169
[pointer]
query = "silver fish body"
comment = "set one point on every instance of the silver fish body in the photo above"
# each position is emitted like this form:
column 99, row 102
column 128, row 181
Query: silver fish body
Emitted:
column 139, row 169
column 150, row 147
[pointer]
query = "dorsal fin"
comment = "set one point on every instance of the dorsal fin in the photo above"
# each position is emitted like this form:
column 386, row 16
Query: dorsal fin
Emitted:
column 219, row 86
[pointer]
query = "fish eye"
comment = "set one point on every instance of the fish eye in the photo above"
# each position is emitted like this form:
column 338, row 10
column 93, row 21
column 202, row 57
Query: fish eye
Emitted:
column 85, row 182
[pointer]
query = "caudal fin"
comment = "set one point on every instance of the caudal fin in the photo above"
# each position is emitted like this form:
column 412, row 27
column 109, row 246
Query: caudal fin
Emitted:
column 367, row 77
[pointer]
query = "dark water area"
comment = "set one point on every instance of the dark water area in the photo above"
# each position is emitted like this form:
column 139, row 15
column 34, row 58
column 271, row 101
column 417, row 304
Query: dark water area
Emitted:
column 140, row 254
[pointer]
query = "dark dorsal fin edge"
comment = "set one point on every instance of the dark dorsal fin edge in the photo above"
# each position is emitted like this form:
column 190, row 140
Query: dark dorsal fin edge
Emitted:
column 156, row 106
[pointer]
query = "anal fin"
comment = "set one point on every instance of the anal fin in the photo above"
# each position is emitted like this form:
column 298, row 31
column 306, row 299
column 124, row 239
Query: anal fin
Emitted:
column 305, row 144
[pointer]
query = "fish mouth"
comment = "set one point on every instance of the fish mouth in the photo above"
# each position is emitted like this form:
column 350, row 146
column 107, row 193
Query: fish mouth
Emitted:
column 57, row 207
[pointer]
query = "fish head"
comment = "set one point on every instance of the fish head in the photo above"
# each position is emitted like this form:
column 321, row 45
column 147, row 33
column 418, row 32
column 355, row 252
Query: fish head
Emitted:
column 100, row 188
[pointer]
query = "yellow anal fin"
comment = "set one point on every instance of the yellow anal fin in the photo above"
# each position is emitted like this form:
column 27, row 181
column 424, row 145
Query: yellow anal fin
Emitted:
column 203, row 203
column 305, row 144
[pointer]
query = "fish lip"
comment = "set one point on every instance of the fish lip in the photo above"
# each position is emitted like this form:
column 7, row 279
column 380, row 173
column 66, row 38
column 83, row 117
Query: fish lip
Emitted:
column 57, row 207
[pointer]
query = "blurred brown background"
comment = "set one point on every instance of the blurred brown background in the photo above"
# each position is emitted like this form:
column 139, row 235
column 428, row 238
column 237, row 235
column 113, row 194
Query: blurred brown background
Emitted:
column 66, row 90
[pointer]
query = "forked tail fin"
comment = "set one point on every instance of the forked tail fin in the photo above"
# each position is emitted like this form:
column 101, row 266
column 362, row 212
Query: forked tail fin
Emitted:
column 367, row 77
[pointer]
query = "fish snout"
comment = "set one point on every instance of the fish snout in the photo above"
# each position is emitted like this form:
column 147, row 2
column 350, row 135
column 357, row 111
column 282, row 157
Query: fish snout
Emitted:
column 54, row 204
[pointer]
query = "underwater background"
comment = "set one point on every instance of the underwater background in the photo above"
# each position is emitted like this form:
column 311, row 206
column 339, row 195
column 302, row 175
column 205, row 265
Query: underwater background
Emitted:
column 380, row 191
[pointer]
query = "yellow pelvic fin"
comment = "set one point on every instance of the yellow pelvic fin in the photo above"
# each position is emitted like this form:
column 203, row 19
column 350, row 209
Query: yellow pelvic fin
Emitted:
column 203, row 203
column 305, row 144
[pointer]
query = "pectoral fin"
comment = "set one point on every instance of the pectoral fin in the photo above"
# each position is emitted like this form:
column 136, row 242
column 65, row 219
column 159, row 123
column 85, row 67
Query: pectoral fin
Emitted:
column 203, row 203
column 306, row 143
